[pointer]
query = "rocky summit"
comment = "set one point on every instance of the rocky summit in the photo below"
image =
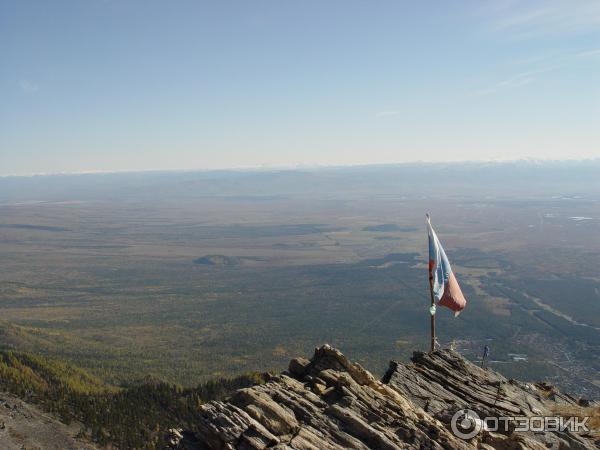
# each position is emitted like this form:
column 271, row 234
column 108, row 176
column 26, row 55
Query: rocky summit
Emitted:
column 329, row 402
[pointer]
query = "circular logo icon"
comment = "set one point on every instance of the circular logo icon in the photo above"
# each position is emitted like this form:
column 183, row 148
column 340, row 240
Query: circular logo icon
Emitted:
column 465, row 424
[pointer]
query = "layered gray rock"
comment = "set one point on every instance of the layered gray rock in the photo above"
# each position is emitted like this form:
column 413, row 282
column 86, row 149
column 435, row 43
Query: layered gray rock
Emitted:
column 443, row 382
column 331, row 403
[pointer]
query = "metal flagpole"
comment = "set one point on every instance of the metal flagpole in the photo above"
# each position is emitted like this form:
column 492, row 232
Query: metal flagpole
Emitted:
column 432, row 308
column 432, row 312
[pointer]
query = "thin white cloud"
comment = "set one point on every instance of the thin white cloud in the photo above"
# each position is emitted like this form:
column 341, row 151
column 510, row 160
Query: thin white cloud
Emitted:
column 515, row 81
column 387, row 113
column 525, row 19
column 533, row 19
column 28, row 87
column 586, row 53
column 528, row 77
column 530, row 60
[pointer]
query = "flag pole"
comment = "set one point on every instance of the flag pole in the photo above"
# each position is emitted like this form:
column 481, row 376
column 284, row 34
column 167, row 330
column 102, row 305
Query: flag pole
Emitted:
column 432, row 309
column 432, row 315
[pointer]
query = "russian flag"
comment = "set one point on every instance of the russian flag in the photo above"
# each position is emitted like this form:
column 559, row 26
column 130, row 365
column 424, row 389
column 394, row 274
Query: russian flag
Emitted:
column 445, row 287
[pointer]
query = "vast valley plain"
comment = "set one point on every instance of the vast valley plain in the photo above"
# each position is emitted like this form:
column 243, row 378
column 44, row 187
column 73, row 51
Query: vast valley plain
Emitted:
column 191, row 275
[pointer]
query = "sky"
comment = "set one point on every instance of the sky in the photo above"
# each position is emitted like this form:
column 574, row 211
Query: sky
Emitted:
column 108, row 85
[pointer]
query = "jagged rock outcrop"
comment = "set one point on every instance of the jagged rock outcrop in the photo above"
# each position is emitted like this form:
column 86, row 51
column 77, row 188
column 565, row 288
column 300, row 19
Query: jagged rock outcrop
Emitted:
column 443, row 382
column 331, row 403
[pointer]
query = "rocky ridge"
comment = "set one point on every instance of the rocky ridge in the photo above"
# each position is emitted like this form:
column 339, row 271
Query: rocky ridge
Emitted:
column 331, row 403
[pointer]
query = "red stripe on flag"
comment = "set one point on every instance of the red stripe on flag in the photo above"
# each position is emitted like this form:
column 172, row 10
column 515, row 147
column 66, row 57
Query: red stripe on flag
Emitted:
column 453, row 297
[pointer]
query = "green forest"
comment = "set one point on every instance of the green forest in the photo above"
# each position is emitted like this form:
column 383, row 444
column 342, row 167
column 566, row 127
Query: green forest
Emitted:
column 132, row 417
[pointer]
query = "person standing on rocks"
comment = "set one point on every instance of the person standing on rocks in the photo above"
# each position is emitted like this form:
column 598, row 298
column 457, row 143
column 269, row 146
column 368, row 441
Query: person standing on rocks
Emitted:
column 486, row 353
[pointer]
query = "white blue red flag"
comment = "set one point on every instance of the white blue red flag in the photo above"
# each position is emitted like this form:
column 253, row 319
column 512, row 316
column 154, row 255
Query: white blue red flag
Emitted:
column 445, row 287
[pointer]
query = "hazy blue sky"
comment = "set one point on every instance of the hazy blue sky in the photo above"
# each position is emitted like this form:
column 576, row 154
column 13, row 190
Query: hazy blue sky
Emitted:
column 116, row 84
